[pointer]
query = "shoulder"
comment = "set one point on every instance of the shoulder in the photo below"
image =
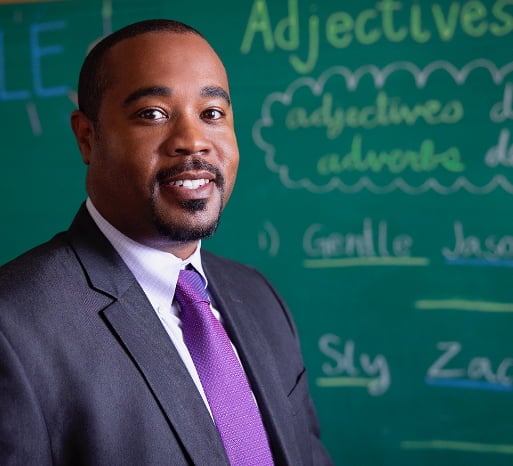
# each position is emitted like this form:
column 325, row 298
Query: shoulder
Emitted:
column 34, row 290
column 38, row 264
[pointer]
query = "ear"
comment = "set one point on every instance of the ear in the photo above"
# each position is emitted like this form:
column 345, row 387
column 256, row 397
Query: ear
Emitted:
column 83, row 128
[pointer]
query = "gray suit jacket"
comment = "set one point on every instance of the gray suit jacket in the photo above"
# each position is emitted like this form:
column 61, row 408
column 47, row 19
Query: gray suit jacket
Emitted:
column 89, row 376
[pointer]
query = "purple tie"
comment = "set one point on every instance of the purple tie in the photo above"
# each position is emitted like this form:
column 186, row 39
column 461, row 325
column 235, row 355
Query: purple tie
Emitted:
column 226, row 387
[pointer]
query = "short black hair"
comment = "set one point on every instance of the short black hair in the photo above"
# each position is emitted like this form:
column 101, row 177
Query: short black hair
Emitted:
column 92, row 81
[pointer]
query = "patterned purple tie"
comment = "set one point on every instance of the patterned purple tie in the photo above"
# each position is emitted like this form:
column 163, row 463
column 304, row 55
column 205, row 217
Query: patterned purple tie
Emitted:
column 226, row 387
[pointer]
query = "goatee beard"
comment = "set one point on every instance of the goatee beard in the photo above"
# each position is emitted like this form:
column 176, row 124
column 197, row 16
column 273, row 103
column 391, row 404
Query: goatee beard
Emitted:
column 187, row 233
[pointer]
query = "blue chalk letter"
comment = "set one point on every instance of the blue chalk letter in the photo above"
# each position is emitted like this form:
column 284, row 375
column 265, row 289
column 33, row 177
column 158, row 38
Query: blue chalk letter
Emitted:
column 38, row 51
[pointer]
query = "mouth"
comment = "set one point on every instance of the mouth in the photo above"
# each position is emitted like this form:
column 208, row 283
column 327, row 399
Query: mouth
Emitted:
column 194, row 179
column 189, row 185
column 193, row 183
column 191, row 174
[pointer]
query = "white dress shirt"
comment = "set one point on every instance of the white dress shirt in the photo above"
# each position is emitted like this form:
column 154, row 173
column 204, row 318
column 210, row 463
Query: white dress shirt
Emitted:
column 157, row 273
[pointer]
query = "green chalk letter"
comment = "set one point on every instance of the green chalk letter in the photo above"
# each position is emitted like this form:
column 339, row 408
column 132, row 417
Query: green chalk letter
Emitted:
column 259, row 21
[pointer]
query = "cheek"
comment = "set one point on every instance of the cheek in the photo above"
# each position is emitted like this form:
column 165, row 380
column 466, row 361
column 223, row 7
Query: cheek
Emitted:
column 231, row 168
column 232, row 158
column 120, row 166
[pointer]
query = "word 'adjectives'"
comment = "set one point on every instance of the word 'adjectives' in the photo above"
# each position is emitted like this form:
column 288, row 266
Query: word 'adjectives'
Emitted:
column 383, row 111
column 343, row 363
column 387, row 20
column 451, row 369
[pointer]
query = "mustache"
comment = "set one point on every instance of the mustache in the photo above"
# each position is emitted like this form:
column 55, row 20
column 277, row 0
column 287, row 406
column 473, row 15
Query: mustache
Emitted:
column 191, row 165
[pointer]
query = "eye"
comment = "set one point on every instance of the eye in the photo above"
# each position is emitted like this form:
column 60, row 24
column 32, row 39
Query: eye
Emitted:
column 212, row 114
column 154, row 114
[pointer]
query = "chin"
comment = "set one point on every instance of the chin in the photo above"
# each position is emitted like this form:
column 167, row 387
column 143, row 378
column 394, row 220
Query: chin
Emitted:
column 196, row 219
column 186, row 234
column 197, row 229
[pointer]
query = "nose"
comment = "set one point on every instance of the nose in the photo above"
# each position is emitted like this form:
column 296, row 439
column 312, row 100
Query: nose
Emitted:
column 188, row 136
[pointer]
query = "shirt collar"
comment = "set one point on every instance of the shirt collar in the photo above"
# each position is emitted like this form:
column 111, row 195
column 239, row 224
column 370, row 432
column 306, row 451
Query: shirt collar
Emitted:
column 156, row 271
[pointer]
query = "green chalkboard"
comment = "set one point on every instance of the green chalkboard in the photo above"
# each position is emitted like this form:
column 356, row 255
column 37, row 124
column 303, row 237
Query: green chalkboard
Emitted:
column 375, row 190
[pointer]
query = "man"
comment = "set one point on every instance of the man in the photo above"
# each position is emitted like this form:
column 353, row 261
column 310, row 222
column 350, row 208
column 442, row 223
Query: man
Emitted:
column 96, row 367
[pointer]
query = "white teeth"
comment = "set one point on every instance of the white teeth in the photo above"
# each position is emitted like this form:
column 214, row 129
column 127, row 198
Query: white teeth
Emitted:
column 190, row 184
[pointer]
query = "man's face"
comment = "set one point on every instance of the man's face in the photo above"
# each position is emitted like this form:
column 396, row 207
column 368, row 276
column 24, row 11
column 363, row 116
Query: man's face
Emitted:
column 163, row 155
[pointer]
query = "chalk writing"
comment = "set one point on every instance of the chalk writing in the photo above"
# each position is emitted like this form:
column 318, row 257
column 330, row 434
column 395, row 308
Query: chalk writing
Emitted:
column 462, row 446
column 373, row 240
column 472, row 250
column 362, row 370
column 384, row 111
column 269, row 239
column 38, row 53
column 106, row 17
column 385, row 20
column 424, row 159
column 351, row 158
column 502, row 153
column 479, row 373
column 458, row 304
column 34, row 120
column 503, row 110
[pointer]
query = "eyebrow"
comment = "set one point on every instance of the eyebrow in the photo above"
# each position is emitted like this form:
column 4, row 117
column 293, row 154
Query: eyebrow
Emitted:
column 216, row 91
column 163, row 91
column 158, row 91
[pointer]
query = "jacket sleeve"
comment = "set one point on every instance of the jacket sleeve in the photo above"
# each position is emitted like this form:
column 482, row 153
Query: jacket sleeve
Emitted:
column 23, row 433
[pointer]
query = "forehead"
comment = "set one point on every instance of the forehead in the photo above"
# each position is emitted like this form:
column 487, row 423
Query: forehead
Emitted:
column 163, row 58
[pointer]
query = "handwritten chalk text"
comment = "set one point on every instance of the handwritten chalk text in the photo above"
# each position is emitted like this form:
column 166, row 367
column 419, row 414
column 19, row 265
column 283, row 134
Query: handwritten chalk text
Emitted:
column 38, row 54
column 386, row 20
column 479, row 373
column 424, row 159
column 373, row 373
column 384, row 111
column 372, row 241
column 468, row 247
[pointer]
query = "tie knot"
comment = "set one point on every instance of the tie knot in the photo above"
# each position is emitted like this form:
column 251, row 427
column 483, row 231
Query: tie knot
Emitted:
column 190, row 288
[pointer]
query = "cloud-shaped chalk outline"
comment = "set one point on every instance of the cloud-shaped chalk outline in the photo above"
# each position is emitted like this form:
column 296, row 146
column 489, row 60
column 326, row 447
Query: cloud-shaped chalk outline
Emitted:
column 380, row 77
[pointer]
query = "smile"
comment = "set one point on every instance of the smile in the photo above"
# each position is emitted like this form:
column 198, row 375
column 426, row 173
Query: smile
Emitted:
column 189, row 184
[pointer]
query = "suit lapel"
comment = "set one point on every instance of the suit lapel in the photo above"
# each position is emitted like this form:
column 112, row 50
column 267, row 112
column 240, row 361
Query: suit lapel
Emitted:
column 259, row 363
column 136, row 325
column 156, row 357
